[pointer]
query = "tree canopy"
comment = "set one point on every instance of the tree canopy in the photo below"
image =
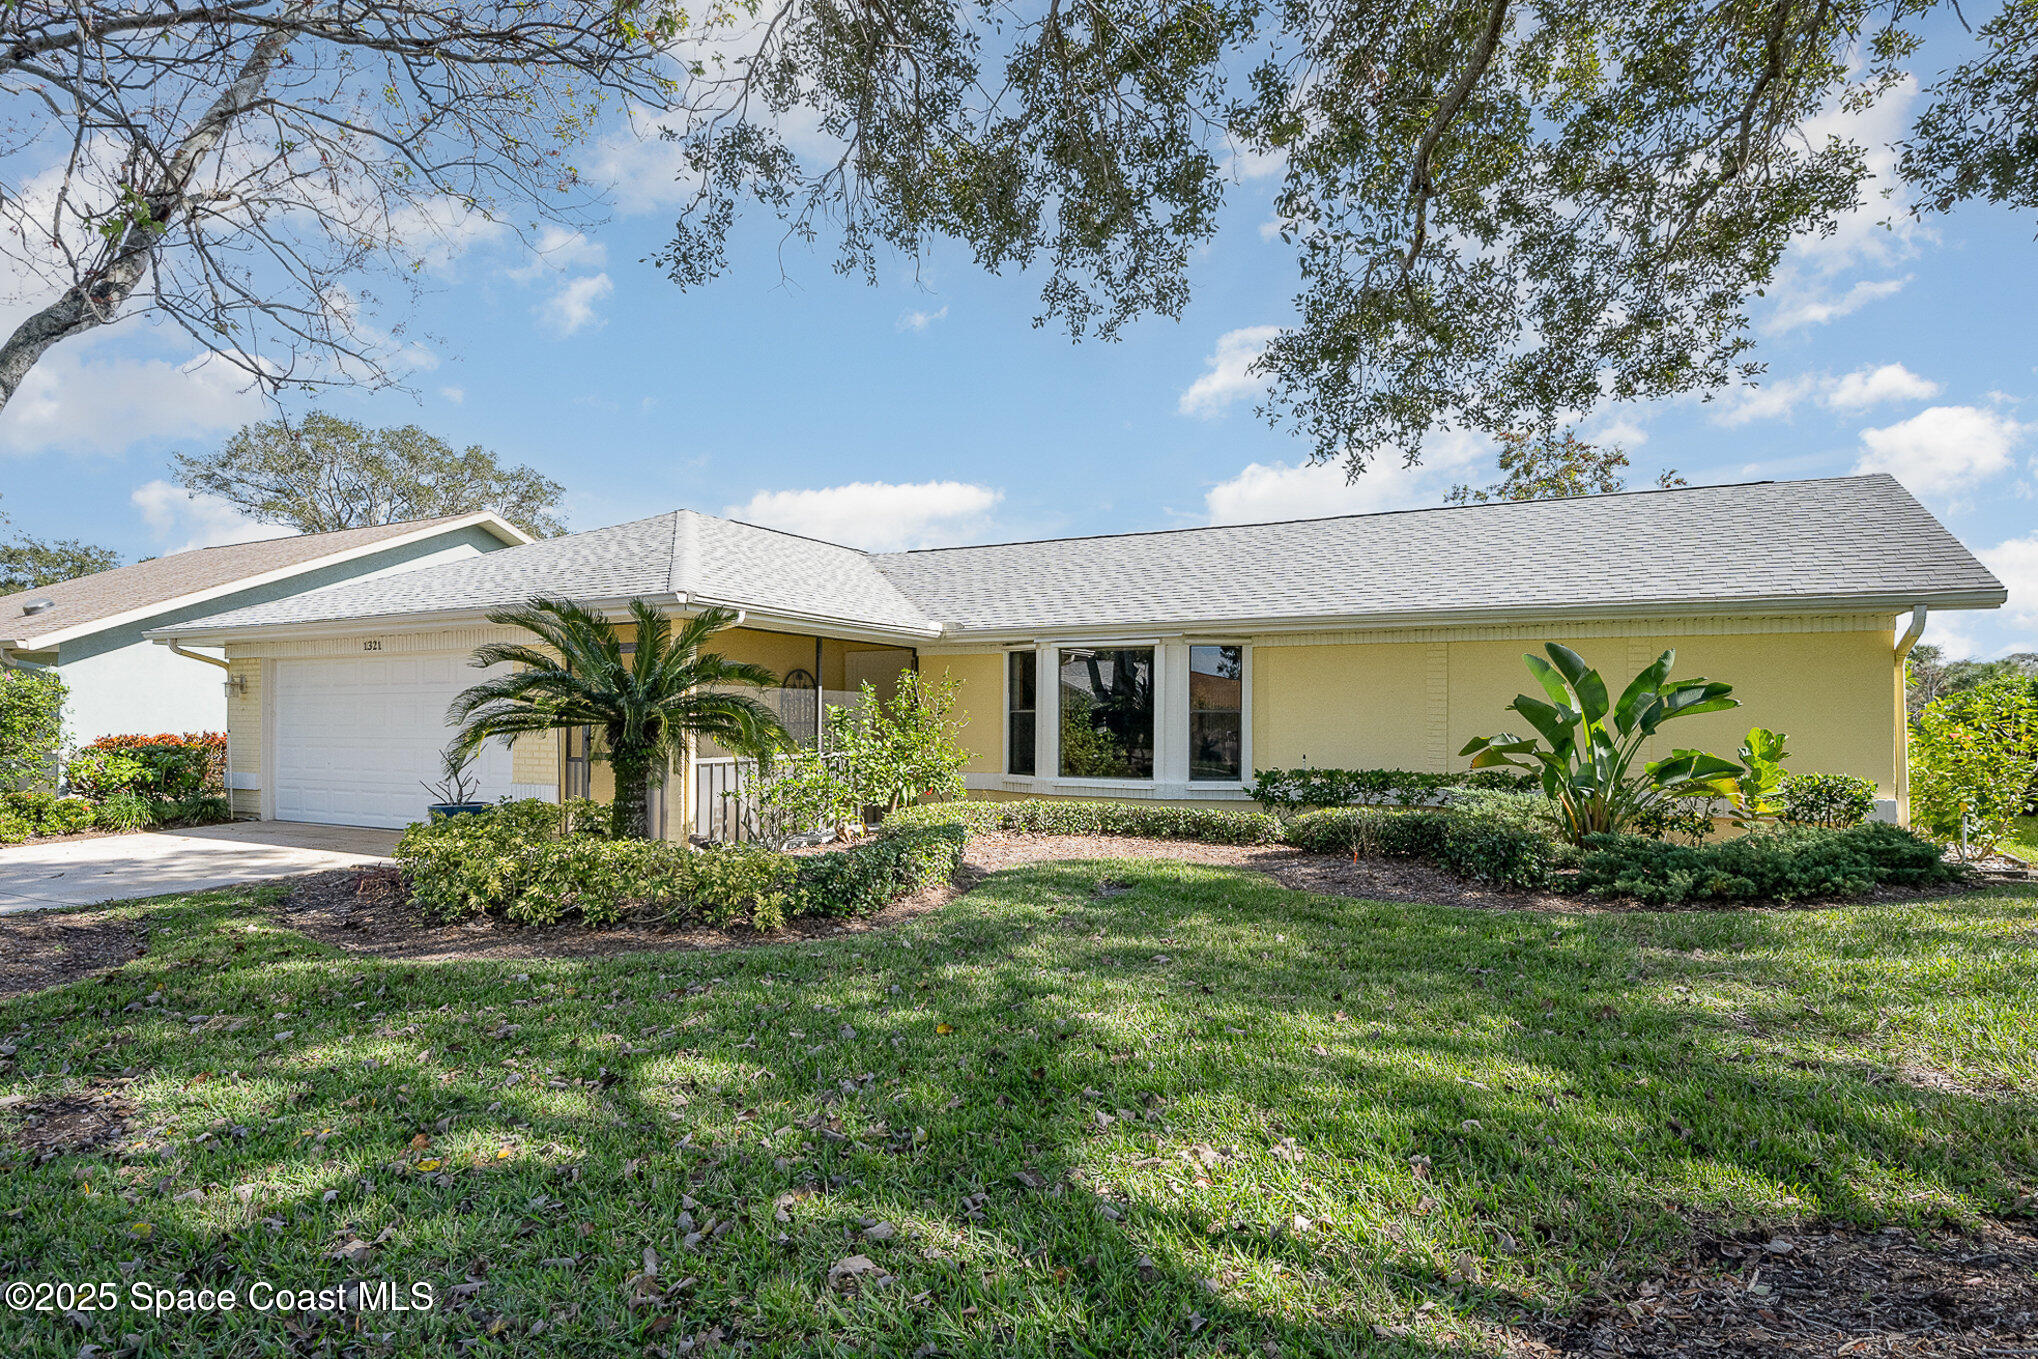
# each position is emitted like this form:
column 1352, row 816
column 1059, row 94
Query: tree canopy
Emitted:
column 324, row 473
column 1551, row 466
column 26, row 562
column 1502, row 210
column 243, row 169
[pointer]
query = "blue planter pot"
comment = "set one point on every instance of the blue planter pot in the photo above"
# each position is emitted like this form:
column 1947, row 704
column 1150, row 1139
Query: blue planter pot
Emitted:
column 443, row 809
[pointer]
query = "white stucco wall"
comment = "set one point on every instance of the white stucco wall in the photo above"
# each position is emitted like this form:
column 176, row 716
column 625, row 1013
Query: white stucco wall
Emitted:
column 122, row 683
column 142, row 687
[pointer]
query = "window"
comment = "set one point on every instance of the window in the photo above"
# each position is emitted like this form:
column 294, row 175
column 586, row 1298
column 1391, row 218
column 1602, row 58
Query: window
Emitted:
column 1019, row 708
column 1106, row 712
column 1216, row 712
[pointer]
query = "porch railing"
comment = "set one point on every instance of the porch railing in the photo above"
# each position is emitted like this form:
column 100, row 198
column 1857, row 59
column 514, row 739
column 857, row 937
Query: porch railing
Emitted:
column 726, row 806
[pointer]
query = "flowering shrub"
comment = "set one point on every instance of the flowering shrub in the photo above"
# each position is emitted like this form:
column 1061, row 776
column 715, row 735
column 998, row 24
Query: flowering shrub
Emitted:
column 1974, row 763
column 165, row 765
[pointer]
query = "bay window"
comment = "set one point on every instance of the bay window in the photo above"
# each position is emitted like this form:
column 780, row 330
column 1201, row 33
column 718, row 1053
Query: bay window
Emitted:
column 1107, row 712
column 1216, row 713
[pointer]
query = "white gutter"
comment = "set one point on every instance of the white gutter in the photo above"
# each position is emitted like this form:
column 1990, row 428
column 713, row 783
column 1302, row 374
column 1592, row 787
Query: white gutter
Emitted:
column 226, row 775
column 1919, row 613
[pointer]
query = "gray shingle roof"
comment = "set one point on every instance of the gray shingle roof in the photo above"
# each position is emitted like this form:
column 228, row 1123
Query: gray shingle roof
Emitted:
column 123, row 589
column 1861, row 540
column 679, row 552
column 1842, row 538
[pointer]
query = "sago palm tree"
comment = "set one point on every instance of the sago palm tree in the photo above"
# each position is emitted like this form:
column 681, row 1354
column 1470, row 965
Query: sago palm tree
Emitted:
column 649, row 704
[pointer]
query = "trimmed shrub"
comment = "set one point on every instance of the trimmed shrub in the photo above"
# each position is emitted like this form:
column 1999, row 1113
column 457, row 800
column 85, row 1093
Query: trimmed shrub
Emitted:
column 514, row 861
column 1506, row 839
column 14, row 828
column 46, row 813
column 1791, row 864
column 867, row 877
column 1290, row 790
column 1054, row 816
column 1833, row 801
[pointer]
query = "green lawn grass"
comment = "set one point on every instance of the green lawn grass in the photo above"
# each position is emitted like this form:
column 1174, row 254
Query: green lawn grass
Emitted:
column 2023, row 841
column 1192, row 1113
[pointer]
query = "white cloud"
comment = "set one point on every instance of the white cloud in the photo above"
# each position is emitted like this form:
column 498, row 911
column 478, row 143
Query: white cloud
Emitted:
column 74, row 401
column 559, row 249
column 572, row 307
column 456, row 395
column 1262, row 491
column 1865, row 387
column 1227, row 380
column 2015, row 563
column 1850, row 393
column 920, row 320
column 1814, row 306
column 878, row 516
column 1620, row 431
column 1942, row 449
column 197, row 519
column 1742, row 405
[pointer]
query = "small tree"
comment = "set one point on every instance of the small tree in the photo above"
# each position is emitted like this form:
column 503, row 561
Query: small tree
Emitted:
column 1974, row 763
column 1552, row 467
column 31, row 726
column 649, row 704
column 903, row 748
column 1587, row 767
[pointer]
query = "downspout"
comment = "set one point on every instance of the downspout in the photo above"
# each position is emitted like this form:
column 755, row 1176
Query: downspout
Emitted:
column 1919, row 613
column 226, row 775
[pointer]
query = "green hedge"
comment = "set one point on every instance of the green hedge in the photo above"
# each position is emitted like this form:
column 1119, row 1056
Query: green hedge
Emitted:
column 1791, row 864
column 513, row 861
column 1292, row 790
column 1501, row 838
column 1054, row 816
column 28, row 812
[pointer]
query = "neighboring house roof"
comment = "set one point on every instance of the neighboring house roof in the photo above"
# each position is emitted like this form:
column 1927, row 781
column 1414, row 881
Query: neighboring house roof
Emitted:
column 127, row 594
column 1859, row 542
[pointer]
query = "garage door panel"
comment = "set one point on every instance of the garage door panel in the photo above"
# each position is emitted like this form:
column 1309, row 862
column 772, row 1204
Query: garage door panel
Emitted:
column 357, row 738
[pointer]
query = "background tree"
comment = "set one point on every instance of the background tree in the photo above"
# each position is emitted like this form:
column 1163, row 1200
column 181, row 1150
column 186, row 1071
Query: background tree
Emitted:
column 1502, row 210
column 27, row 562
column 237, row 168
column 1551, row 467
column 648, row 706
column 324, row 473
column 1929, row 675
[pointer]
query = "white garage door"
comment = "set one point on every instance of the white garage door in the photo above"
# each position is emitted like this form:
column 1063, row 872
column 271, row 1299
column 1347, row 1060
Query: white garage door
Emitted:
column 355, row 739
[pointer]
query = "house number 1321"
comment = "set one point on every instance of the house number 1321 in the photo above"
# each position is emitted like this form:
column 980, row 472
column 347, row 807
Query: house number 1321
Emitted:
column 371, row 646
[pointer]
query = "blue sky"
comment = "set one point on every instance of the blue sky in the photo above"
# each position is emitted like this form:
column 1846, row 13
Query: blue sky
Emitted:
column 928, row 410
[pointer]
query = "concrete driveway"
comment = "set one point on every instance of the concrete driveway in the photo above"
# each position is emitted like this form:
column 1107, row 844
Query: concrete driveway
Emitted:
column 115, row 867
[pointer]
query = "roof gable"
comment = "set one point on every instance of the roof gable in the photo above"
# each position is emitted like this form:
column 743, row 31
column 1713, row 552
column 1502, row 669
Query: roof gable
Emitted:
column 135, row 592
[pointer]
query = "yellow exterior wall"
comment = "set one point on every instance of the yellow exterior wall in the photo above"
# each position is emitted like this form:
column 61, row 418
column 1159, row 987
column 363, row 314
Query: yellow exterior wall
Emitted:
column 535, row 758
column 979, row 706
column 1351, row 707
column 244, row 734
column 1414, row 704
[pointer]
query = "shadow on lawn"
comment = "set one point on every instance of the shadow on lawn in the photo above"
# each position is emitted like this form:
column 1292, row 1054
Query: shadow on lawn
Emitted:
column 1503, row 1109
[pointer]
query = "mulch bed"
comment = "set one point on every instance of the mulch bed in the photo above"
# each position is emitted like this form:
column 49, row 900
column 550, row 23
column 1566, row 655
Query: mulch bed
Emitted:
column 1825, row 1291
column 41, row 949
column 365, row 911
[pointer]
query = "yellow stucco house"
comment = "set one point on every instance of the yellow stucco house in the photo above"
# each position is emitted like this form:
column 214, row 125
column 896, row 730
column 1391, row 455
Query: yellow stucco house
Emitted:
column 1162, row 666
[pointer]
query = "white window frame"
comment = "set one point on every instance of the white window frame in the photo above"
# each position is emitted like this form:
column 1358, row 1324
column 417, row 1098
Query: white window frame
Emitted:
column 1170, row 781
